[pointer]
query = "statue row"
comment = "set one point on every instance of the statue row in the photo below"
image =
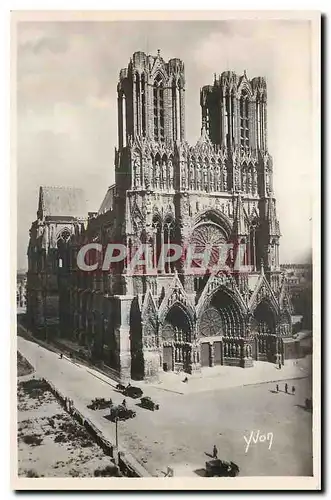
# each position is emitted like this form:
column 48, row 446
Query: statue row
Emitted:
column 203, row 177
column 237, row 351
column 249, row 183
column 196, row 177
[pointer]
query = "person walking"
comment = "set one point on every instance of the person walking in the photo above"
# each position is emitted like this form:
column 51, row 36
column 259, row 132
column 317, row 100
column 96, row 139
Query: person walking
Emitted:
column 215, row 451
column 124, row 403
column 280, row 365
column 286, row 387
column 293, row 390
column 277, row 387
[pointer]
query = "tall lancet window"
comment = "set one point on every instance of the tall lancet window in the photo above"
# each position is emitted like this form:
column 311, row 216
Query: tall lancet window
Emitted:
column 176, row 110
column 143, row 104
column 244, row 120
column 229, row 118
column 138, row 103
column 158, row 95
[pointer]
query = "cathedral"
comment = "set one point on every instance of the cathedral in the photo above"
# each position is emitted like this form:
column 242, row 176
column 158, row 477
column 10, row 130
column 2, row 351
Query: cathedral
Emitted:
column 217, row 191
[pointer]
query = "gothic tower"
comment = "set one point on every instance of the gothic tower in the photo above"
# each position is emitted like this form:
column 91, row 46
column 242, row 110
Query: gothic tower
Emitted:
column 151, row 111
column 234, row 114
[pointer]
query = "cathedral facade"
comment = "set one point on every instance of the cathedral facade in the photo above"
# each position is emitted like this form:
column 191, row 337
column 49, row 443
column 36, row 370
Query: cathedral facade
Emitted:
column 217, row 191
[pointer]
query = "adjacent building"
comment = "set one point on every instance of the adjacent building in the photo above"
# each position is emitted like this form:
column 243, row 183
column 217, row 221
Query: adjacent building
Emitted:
column 60, row 211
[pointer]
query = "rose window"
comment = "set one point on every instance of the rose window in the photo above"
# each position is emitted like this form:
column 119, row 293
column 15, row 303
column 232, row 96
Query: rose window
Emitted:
column 208, row 238
column 211, row 323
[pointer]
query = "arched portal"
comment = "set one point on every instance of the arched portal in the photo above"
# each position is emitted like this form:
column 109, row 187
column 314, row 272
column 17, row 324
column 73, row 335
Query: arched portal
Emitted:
column 264, row 328
column 220, row 330
column 176, row 335
column 265, row 318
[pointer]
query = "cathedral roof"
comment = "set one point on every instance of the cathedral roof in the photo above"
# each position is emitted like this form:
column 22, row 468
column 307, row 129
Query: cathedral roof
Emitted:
column 108, row 201
column 61, row 201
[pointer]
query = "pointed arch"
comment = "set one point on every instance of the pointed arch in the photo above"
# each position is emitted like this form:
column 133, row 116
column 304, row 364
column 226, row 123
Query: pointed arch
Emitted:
column 229, row 286
column 175, row 294
column 220, row 312
column 263, row 292
column 215, row 216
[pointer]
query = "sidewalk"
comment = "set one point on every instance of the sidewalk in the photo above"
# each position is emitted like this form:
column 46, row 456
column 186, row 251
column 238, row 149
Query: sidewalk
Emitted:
column 225, row 377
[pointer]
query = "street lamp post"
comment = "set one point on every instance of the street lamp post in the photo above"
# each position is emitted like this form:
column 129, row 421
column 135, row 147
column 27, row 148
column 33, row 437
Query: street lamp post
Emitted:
column 116, row 442
column 116, row 422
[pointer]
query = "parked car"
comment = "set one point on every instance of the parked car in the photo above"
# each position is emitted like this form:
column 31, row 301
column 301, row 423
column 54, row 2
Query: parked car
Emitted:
column 146, row 402
column 121, row 413
column 100, row 404
column 120, row 387
column 133, row 392
column 220, row 468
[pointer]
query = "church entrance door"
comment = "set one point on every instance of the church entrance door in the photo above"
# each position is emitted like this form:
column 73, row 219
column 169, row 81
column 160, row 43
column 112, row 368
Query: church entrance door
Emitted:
column 217, row 353
column 205, row 354
column 167, row 359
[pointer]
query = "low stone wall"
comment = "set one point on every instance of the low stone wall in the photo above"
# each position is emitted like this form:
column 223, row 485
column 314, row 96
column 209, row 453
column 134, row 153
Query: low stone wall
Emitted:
column 126, row 465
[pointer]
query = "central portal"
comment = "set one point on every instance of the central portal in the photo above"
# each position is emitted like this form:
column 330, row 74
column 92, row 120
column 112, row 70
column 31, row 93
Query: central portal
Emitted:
column 176, row 339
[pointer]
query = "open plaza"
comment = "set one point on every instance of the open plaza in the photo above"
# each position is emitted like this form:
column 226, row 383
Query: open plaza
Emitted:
column 222, row 408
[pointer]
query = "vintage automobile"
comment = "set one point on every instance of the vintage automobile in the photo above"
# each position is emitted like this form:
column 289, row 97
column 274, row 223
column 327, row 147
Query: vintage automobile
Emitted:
column 147, row 402
column 100, row 404
column 133, row 392
column 120, row 387
column 221, row 468
column 120, row 412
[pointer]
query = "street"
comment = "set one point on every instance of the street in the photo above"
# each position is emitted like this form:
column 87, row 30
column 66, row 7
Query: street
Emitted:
column 182, row 433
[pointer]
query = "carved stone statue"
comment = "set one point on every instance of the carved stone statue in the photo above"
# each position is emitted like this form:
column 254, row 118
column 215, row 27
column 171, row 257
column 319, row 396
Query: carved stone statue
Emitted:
column 198, row 172
column 212, row 180
column 136, row 172
column 164, row 174
column 148, row 175
column 192, row 180
column 244, row 184
column 171, row 174
column 183, row 176
column 249, row 182
column 225, row 179
column 157, row 174
column 237, row 176
column 205, row 177
column 255, row 186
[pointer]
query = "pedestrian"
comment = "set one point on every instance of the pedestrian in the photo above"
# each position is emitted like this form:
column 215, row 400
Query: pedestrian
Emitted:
column 286, row 387
column 124, row 403
column 280, row 365
column 293, row 390
column 61, row 355
column 277, row 387
column 215, row 451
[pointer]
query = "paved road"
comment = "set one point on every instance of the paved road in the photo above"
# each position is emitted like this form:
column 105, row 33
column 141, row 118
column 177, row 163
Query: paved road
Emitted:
column 186, row 427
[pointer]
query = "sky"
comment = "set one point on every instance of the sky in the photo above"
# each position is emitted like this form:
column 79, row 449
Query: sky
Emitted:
column 67, row 74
